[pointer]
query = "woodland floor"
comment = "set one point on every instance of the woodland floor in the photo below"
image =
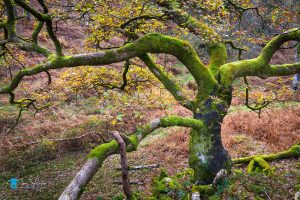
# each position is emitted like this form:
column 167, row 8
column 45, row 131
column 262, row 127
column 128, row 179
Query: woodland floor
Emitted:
column 243, row 134
column 47, row 167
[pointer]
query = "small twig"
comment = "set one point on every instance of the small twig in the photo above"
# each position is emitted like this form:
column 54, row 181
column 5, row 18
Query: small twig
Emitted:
column 49, row 77
column 17, row 121
column 131, row 182
column 11, row 54
column 141, row 167
column 257, row 107
column 239, row 49
column 267, row 193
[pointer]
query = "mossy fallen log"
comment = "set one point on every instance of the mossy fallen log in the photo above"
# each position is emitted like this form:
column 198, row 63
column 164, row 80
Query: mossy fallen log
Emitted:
column 293, row 152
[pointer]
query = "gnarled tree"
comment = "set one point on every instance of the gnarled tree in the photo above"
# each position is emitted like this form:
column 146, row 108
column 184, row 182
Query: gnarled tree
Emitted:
column 207, row 156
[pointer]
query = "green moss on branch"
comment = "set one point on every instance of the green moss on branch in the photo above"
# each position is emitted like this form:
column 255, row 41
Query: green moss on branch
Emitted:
column 293, row 152
column 151, row 43
column 218, row 57
column 106, row 149
column 169, row 84
column 258, row 164
column 260, row 66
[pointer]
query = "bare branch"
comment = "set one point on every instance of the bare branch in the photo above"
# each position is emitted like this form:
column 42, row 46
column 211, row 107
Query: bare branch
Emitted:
column 49, row 77
column 124, row 164
column 124, row 75
column 36, row 32
column 233, row 46
column 259, row 106
column 17, row 121
column 141, row 167
column 143, row 17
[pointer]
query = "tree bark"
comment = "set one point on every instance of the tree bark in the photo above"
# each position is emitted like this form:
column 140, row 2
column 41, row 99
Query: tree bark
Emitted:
column 207, row 155
column 75, row 188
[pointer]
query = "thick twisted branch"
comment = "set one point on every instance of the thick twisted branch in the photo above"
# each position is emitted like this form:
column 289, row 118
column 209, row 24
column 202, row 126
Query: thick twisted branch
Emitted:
column 213, row 40
column 260, row 66
column 152, row 43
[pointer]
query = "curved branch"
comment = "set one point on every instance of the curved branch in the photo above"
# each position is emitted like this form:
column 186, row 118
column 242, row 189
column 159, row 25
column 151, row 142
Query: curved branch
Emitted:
column 36, row 32
column 100, row 153
column 233, row 46
column 259, row 106
column 213, row 40
column 275, row 44
column 152, row 43
column 124, row 75
column 143, row 17
column 260, row 66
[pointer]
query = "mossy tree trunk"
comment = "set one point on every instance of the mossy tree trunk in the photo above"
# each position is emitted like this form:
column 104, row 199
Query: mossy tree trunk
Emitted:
column 207, row 155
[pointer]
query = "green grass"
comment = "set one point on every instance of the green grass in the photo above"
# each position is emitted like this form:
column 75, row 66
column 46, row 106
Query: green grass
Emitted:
column 47, row 179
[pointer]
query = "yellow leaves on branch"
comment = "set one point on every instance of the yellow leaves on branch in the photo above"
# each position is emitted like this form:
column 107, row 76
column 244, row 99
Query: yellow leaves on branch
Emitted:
column 81, row 79
column 109, row 15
